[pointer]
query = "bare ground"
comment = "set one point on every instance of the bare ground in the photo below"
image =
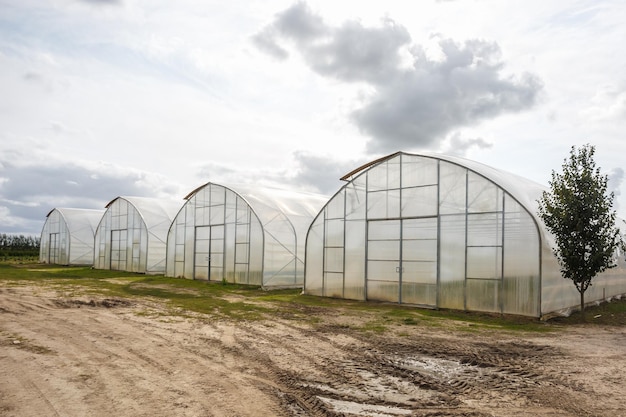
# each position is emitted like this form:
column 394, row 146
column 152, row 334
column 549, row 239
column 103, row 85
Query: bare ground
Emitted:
column 100, row 357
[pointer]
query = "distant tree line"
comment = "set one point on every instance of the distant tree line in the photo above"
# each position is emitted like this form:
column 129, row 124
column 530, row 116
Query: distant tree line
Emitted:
column 18, row 245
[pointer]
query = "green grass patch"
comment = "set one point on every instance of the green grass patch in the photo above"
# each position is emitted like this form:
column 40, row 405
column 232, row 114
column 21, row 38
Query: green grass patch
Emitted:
column 374, row 327
column 612, row 313
column 242, row 302
column 193, row 296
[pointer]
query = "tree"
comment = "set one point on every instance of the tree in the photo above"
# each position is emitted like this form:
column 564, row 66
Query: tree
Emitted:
column 578, row 212
column 18, row 246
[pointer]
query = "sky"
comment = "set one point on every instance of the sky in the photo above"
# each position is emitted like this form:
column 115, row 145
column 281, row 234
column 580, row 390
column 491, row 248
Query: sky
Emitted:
column 108, row 98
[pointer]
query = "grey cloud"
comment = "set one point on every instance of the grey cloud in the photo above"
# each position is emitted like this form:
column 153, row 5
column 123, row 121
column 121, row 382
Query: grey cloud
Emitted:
column 320, row 172
column 357, row 53
column 459, row 145
column 233, row 175
column 265, row 42
column 300, row 24
column 310, row 172
column 351, row 52
column 60, row 180
column 216, row 172
column 28, row 193
column 297, row 23
column 32, row 76
column 419, row 108
column 410, row 107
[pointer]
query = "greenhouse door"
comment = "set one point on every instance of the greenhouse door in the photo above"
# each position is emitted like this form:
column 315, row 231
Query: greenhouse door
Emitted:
column 209, row 253
column 383, row 260
column 402, row 261
column 53, row 253
column 118, row 250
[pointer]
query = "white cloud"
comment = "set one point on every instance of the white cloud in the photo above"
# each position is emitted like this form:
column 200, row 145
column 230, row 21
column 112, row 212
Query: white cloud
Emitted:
column 104, row 98
column 616, row 178
column 409, row 107
column 608, row 104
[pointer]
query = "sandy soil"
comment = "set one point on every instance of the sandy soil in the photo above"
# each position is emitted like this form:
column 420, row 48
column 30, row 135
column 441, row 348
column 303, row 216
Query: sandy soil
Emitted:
column 100, row 357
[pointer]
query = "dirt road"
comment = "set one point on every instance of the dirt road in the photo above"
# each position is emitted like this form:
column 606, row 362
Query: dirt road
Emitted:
column 82, row 356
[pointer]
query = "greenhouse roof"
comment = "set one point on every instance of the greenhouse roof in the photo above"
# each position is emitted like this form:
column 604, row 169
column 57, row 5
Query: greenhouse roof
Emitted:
column 289, row 202
column 527, row 192
column 154, row 211
column 74, row 216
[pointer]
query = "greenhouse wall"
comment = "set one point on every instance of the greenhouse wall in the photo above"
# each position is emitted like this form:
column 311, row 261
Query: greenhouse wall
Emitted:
column 242, row 234
column 559, row 295
column 132, row 235
column 67, row 237
column 440, row 232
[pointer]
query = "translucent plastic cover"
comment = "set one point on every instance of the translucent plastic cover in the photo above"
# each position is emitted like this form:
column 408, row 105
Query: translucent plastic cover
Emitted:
column 442, row 232
column 67, row 237
column 242, row 234
column 132, row 234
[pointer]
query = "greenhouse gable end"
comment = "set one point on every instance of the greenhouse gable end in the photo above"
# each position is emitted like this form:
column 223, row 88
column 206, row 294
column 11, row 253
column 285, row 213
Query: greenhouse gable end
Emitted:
column 242, row 234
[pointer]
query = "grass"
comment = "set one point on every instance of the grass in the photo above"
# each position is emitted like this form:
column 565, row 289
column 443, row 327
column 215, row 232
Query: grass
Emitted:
column 240, row 302
column 192, row 296
column 611, row 313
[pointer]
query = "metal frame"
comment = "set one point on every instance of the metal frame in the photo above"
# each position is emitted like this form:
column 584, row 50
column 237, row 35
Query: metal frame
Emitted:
column 500, row 226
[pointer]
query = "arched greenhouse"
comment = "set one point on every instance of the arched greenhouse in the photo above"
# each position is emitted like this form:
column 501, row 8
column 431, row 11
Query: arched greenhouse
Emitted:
column 132, row 234
column 242, row 234
column 67, row 236
column 442, row 232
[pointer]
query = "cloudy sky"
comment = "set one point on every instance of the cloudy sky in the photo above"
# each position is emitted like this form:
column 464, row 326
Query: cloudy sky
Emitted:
column 107, row 98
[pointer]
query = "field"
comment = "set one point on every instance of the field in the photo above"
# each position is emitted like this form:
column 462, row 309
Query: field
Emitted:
column 78, row 342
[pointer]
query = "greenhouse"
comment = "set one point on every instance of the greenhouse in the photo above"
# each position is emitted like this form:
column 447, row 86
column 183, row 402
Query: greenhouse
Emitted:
column 67, row 236
column 132, row 234
column 442, row 232
column 242, row 234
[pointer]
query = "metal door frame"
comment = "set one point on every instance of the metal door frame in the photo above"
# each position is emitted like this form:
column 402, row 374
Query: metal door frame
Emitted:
column 400, row 265
column 119, row 251
column 56, row 247
column 210, row 249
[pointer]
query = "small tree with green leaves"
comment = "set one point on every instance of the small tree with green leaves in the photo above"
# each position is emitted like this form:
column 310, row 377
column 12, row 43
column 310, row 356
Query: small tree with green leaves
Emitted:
column 578, row 212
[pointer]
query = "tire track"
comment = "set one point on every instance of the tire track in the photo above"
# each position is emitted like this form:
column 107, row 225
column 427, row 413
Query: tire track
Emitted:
column 146, row 360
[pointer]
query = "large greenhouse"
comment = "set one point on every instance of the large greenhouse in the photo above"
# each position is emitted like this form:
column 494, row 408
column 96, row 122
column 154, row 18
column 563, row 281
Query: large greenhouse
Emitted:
column 67, row 236
column 132, row 234
column 442, row 232
column 242, row 234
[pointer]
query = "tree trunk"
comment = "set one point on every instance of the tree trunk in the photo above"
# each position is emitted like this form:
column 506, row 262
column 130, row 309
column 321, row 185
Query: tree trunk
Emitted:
column 582, row 304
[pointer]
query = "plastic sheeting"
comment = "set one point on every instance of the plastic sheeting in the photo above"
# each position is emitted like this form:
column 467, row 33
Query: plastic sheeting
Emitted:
column 67, row 236
column 442, row 232
column 242, row 234
column 132, row 234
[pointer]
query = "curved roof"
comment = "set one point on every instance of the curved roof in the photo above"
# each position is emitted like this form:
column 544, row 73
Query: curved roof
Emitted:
column 154, row 211
column 275, row 254
column 291, row 203
column 79, row 217
column 525, row 191
column 77, row 228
